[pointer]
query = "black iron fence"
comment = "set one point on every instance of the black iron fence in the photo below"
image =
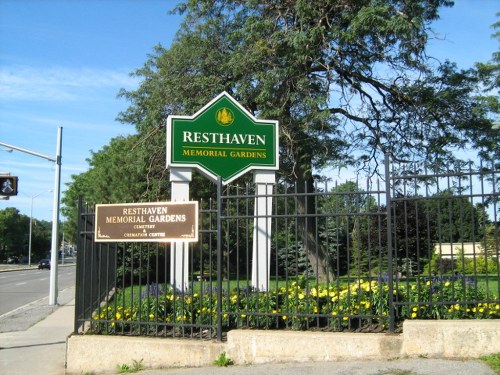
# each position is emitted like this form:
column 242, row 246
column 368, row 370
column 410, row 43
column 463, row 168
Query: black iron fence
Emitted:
column 357, row 255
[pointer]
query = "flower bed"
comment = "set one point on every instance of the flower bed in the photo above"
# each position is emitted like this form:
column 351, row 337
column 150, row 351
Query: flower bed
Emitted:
column 348, row 305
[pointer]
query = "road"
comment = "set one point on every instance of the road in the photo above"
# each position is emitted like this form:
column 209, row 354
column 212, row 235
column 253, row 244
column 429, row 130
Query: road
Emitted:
column 22, row 287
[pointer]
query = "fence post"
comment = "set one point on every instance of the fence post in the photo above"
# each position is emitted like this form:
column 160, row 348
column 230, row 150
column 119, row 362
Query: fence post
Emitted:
column 390, row 270
column 219, row 259
column 79, row 264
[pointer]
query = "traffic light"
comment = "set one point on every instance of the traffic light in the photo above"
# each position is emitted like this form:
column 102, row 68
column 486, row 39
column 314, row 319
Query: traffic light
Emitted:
column 8, row 185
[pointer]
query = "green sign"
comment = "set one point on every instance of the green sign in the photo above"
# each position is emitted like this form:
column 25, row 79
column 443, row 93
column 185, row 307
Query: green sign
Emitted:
column 222, row 140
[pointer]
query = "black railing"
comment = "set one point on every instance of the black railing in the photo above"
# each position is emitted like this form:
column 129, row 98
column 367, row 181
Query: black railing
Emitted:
column 358, row 256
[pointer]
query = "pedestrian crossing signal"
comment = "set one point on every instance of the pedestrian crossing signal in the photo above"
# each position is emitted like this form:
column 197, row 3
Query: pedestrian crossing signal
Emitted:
column 8, row 186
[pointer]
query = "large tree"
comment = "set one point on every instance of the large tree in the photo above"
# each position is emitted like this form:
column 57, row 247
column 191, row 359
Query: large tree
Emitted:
column 347, row 80
column 14, row 236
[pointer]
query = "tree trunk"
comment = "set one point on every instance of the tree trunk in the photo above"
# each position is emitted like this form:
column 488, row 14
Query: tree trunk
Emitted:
column 307, row 222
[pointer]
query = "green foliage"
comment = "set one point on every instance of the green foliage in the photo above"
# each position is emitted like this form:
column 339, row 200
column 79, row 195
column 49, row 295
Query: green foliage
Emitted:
column 14, row 236
column 453, row 290
column 135, row 367
column 456, row 218
column 493, row 361
column 222, row 360
column 477, row 265
column 353, row 303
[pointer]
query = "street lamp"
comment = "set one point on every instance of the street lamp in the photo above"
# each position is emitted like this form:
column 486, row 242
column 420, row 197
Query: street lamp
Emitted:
column 31, row 225
column 55, row 216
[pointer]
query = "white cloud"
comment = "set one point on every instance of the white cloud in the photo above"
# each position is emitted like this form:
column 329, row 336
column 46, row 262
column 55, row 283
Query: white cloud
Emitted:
column 58, row 83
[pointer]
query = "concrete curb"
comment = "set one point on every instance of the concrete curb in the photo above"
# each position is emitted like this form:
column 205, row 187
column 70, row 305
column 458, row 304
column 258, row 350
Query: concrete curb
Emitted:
column 457, row 339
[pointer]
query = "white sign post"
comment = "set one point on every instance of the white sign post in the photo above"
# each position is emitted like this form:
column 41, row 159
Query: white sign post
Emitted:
column 179, row 255
column 261, row 249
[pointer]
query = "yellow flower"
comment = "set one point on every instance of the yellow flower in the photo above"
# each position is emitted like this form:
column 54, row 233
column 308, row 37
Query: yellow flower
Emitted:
column 151, row 316
column 283, row 317
column 118, row 316
column 413, row 315
column 447, row 283
column 428, row 283
column 414, row 309
column 457, row 306
column 301, row 296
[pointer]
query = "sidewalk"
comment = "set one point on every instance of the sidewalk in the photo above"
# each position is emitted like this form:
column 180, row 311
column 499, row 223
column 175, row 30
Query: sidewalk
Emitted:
column 41, row 349
column 395, row 367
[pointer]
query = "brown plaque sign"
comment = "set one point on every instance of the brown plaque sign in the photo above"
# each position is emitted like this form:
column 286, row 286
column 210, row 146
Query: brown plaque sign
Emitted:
column 147, row 222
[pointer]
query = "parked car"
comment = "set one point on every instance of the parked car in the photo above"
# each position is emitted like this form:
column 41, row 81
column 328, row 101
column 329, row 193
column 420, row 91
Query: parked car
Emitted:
column 13, row 260
column 44, row 263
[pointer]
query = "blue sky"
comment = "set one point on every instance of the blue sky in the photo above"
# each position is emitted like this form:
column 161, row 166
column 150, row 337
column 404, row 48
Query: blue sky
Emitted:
column 62, row 63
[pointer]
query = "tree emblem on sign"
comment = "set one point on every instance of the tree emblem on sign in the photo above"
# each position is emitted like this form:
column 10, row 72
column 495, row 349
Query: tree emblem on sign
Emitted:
column 224, row 116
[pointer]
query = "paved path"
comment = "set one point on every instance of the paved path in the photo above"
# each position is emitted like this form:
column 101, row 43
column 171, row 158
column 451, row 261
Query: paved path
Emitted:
column 39, row 348
column 396, row 367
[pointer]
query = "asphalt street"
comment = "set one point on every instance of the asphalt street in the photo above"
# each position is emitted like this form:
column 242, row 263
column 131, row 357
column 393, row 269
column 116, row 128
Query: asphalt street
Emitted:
column 19, row 288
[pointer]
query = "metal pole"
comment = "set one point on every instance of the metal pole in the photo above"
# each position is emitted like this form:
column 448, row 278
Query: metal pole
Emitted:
column 55, row 223
column 31, row 230
column 390, row 271
column 55, row 210
column 25, row 150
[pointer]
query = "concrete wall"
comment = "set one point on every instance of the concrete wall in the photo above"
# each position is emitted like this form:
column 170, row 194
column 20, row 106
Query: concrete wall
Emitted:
column 451, row 338
column 438, row 339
